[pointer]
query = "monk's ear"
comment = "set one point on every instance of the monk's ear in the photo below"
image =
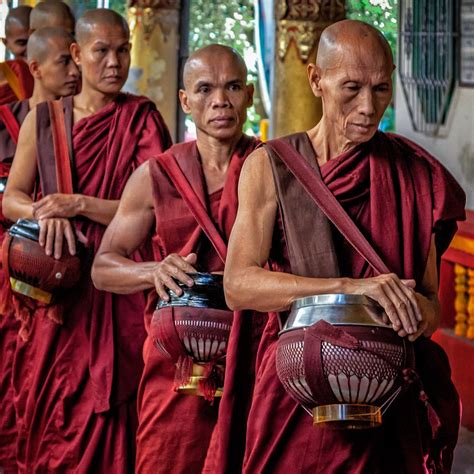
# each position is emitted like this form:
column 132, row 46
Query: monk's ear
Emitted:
column 250, row 92
column 75, row 53
column 34, row 68
column 183, row 98
column 314, row 78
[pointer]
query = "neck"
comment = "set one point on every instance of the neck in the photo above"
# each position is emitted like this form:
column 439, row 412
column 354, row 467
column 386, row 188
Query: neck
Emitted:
column 91, row 100
column 40, row 94
column 328, row 142
column 215, row 153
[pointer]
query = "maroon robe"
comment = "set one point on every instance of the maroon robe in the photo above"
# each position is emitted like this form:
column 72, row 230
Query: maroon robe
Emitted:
column 175, row 429
column 75, row 383
column 8, row 323
column 398, row 195
column 18, row 83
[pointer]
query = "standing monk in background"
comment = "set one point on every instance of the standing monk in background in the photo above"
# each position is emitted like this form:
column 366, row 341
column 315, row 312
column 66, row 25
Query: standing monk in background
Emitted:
column 16, row 82
column 406, row 204
column 55, row 76
column 54, row 13
column 75, row 381
column 175, row 429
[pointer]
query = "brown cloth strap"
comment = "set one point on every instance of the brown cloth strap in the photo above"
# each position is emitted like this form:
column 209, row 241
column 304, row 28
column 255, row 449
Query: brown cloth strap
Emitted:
column 327, row 202
column 11, row 123
column 61, row 149
column 195, row 206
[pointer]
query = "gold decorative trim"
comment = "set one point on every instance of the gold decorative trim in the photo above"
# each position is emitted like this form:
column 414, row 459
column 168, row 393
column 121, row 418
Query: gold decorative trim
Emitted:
column 466, row 244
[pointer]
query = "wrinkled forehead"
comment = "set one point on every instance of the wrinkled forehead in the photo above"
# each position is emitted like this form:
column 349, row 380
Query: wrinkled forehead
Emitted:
column 214, row 68
column 105, row 33
column 357, row 60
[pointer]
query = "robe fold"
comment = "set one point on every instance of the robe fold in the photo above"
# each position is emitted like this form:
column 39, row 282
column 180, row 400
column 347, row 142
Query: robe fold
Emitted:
column 18, row 81
column 8, row 323
column 175, row 429
column 398, row 195
column 75, row 383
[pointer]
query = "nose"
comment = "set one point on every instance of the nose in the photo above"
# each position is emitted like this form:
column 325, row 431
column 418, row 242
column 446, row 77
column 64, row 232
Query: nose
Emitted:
column 73, row 70
column 366, row 102
column 112, row 59
column 220, row 99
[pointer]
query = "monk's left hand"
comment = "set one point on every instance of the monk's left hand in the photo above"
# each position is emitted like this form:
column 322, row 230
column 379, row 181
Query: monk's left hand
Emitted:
column 429, row 322
column 57, row 205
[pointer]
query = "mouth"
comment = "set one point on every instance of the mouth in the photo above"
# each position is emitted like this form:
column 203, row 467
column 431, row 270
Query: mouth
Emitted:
column 364, row 128
column 222, row 121
column 113, row 79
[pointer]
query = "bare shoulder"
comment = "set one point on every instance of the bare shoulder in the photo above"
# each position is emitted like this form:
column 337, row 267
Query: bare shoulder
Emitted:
column 30, row 121
column 257, row 175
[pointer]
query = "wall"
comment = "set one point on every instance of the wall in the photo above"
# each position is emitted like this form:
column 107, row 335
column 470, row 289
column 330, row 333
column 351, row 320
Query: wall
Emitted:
column 454, row 146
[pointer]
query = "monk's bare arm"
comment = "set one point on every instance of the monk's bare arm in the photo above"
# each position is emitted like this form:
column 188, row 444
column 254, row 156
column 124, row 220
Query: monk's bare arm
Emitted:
column 17, row 201
column 247, row 283
column 249, row 286
column 113, row 269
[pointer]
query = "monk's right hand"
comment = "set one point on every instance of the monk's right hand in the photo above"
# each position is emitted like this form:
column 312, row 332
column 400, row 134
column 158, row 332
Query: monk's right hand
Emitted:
column 52, row 234
column 173, row 267
column 397, row 297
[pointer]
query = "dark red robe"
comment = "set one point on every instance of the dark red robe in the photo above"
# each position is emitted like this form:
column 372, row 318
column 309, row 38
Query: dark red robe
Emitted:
column 398, row 195
column 75, row 383
column 8, row 323
column 175, row 429
column 18, row 83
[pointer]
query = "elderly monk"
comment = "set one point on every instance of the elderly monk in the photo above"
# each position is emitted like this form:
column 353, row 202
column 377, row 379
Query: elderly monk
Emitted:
column 55, row 76
column 78, row 361
column 406, row 204
column 16, row 82
column 52, row 14
column 17, row 31
column 175, row 429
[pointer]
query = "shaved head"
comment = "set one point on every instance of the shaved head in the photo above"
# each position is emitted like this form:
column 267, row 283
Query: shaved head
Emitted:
column 354, row 36
column 100, row 17
column 55, row 14
column 18, row 17
column 39, row 43
column 215, row 54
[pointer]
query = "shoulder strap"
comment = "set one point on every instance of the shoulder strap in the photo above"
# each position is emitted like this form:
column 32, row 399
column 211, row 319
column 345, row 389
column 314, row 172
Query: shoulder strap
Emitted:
column 61, row 148
column 11, row 123
column 195, row 206
column 327, row 202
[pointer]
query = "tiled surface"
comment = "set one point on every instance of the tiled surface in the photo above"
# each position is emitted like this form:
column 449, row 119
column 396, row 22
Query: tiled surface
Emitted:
column 464, row 454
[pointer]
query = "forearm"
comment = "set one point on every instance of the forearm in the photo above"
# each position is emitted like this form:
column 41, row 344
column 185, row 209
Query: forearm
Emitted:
column 17, row 205
column 98, row 210
column 117, row 274
column 263, row 290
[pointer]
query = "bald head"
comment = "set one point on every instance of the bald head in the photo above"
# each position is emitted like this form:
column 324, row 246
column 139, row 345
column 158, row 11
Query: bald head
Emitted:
column 52, row 14
column 41, row 41
column 353, row 36
column 17, row 30
column 210, row 55
column 18, row 17
column 98, row 19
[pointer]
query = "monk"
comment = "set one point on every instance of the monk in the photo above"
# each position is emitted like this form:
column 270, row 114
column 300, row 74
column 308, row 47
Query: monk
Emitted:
column 16, row 82
column 52, row 14
column 78, row 361
column 406, row 204
column 17, row 31
column 174, row 429
column 55, row 76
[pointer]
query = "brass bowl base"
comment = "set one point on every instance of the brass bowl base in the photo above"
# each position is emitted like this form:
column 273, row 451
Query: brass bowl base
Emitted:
column 192, row 387
column 347, row 416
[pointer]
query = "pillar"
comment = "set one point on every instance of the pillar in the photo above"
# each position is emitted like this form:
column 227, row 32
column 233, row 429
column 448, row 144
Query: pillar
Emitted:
column 299, row 26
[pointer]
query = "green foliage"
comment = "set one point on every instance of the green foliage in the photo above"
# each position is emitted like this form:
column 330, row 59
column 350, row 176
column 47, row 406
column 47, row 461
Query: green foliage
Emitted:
column 383, row 14
column 231, row 23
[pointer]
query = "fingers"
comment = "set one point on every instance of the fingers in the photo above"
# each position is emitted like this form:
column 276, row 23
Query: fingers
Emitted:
column 58, row 239
column 406, row 304
column 70, row 238
column 421, row 329
column 409, row 283
column 49, row 237
column 171, row 270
